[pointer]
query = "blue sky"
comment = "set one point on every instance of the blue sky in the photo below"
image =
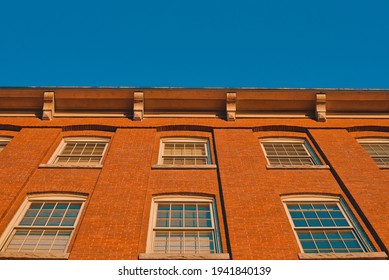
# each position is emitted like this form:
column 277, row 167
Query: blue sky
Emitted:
column 185, row 43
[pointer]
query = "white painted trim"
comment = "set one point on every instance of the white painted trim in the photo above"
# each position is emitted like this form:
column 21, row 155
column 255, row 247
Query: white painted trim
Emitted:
column 377, row 140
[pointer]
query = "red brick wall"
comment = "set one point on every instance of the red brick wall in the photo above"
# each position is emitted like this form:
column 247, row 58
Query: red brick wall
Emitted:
column 252, row 219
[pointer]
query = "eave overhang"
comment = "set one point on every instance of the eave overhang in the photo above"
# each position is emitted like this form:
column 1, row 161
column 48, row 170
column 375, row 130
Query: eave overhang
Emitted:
column 227, row 103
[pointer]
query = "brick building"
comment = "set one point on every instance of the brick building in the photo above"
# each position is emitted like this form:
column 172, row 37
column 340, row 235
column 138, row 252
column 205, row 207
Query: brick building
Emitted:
column 175, row 173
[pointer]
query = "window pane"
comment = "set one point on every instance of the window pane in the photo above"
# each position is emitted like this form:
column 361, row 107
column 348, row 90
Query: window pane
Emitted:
column 187, row 217
column 33, row 234
column 184, row 153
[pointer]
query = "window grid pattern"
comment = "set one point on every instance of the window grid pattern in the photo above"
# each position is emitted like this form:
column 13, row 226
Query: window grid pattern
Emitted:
column 379, row 152
column 323, row 228
column 81, row 153
column 45, row 227
column 185, row 153
column 184, row 228
column 287, row 153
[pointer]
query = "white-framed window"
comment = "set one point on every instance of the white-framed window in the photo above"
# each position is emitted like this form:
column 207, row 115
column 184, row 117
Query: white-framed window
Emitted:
column 183, row 225
column 184, row 151
column 43, row 224
column 378, row 150
column 289, row 152
column 325, row 225
column 78, row 151
column 3, row 142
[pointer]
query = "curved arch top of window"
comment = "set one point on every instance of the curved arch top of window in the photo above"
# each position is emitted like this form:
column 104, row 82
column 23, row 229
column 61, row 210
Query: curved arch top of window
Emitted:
column 289, row 152
column 184, row 152
column 4, row 141
column 42, row 227
column 80, row 152
column 378, row 150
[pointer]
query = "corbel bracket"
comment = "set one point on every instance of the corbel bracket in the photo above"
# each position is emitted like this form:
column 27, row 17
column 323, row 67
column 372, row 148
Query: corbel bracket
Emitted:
column 48, row 105
column 321, row 107
column 231, row 106
column 139, row 106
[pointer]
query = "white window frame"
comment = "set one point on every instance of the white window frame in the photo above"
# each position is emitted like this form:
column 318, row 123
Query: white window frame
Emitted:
column 364, row 242
column 204, row 141
column 5, row 140
column 375, row 141
column 7, row 235
column 182, row 199
column 66, row 140
column 307, row 147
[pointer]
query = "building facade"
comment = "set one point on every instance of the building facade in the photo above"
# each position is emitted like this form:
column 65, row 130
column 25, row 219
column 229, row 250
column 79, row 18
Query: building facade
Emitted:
column 180, row 173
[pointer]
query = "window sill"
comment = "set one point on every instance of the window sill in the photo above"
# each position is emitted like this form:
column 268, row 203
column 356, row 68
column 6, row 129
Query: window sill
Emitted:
column 166, row 166
column 70, row 166
column 154, row 256
column 326, row 167
column 344, row 256
column 36, row 256
column 383, row 166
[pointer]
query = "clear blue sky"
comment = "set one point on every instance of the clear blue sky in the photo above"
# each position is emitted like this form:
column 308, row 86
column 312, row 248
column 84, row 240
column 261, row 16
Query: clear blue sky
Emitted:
column 185, row 43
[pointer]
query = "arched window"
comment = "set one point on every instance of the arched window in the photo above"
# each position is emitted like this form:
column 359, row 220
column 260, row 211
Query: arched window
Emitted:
column 43, row 224
column 289, row 152
column 325, row 224
column 184, row 152
column 183, row 225
column 80, row 151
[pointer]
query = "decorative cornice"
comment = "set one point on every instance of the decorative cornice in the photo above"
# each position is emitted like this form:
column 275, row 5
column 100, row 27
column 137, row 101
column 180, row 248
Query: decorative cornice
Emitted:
column 223, row 103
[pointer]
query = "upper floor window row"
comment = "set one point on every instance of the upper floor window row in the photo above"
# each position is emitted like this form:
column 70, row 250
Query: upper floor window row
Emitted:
column 289, row 152
column 378, row 150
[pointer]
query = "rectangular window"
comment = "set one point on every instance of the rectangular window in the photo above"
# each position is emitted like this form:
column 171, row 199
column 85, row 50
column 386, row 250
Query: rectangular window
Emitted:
column 184, row 152
column 378, row 150
column 290, row 152
column 184, row 228
column 45, row 227
column 81, row 152
column 324, row 227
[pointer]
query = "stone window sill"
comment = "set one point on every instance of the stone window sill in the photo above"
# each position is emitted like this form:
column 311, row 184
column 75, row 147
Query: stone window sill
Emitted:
column 326, row 167
column 153, row 256
column 35, row 256
column 383, row 167
column 344, row 256
column 70, row 166
column 166, row 166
